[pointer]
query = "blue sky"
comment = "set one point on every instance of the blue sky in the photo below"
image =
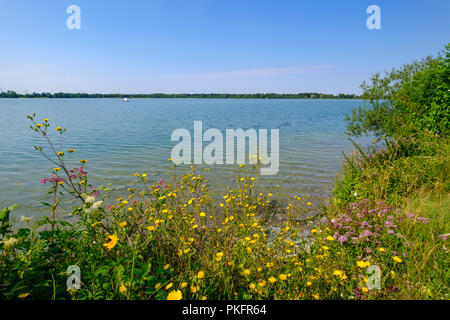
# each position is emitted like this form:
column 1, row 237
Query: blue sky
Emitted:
column 212, row 46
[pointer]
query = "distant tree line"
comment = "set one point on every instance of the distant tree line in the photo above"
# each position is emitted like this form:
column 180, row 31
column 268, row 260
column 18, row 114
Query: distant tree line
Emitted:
column 12, row 94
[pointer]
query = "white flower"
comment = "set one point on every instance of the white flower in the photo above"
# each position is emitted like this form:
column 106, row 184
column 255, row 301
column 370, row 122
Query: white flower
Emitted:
column 94, row 207
column 90, row 199
column 11, row 242
column 355, row 194
column 26, row 219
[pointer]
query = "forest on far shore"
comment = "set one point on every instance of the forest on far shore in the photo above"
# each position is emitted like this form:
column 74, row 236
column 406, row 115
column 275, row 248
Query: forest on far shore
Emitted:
column 13, row 94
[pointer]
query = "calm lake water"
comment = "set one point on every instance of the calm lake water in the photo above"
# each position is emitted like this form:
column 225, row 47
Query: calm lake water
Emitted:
column 121, row 138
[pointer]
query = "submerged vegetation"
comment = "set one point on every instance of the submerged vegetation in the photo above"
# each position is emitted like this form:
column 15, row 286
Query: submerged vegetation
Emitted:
column 383, row 236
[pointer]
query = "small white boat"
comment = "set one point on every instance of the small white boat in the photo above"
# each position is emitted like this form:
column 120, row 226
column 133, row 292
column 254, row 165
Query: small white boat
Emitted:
column 125, row 99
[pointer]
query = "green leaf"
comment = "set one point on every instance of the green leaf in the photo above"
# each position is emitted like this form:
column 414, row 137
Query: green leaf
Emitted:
column 23, row 233
column 4, row 215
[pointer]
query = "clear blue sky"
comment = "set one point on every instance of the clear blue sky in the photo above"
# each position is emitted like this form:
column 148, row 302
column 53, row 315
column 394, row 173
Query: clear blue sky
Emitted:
column 212, row 45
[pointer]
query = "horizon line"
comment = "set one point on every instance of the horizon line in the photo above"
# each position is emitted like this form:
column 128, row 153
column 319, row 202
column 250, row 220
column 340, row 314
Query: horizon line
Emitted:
column 26, row 93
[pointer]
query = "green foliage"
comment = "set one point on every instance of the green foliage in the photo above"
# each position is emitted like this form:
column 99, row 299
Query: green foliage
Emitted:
column 395, row 169
column 413, row 99
column 306, row 95
column 409, row 109
column 224, row 257
column 407, row 166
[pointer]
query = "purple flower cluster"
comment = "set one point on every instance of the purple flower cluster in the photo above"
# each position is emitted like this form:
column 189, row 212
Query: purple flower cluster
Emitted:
column 95, row 192
column 78, row 172
column 161, row 184
column 444, row 236
column 75, row 173
column 416, row 218
column 53, row 179
column 363, row 224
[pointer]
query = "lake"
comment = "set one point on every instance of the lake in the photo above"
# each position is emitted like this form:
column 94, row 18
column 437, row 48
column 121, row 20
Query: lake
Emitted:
column 119, row 138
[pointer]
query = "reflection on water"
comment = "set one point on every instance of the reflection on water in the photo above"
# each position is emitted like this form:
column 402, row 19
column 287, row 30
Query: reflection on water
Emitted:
column 121, row 138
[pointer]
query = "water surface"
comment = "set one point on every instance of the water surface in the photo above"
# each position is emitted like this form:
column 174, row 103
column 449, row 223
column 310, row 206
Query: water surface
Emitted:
column 121, row 138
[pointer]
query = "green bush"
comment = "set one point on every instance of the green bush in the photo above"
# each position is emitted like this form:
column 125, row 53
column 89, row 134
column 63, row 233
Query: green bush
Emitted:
column 409, row 110
column 412, row 99
column 394, row 171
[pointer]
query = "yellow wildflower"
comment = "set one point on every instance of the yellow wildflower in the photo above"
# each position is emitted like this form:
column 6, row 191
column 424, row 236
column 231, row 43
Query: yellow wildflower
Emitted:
column 194, row 289
column 337, row 272
column 175, row 295
column 123, row 224
column 362, row 264
column 219, row 256
column 111, row 242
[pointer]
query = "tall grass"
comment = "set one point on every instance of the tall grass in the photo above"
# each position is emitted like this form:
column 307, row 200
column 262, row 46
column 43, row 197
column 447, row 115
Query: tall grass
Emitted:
column 395, row 169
